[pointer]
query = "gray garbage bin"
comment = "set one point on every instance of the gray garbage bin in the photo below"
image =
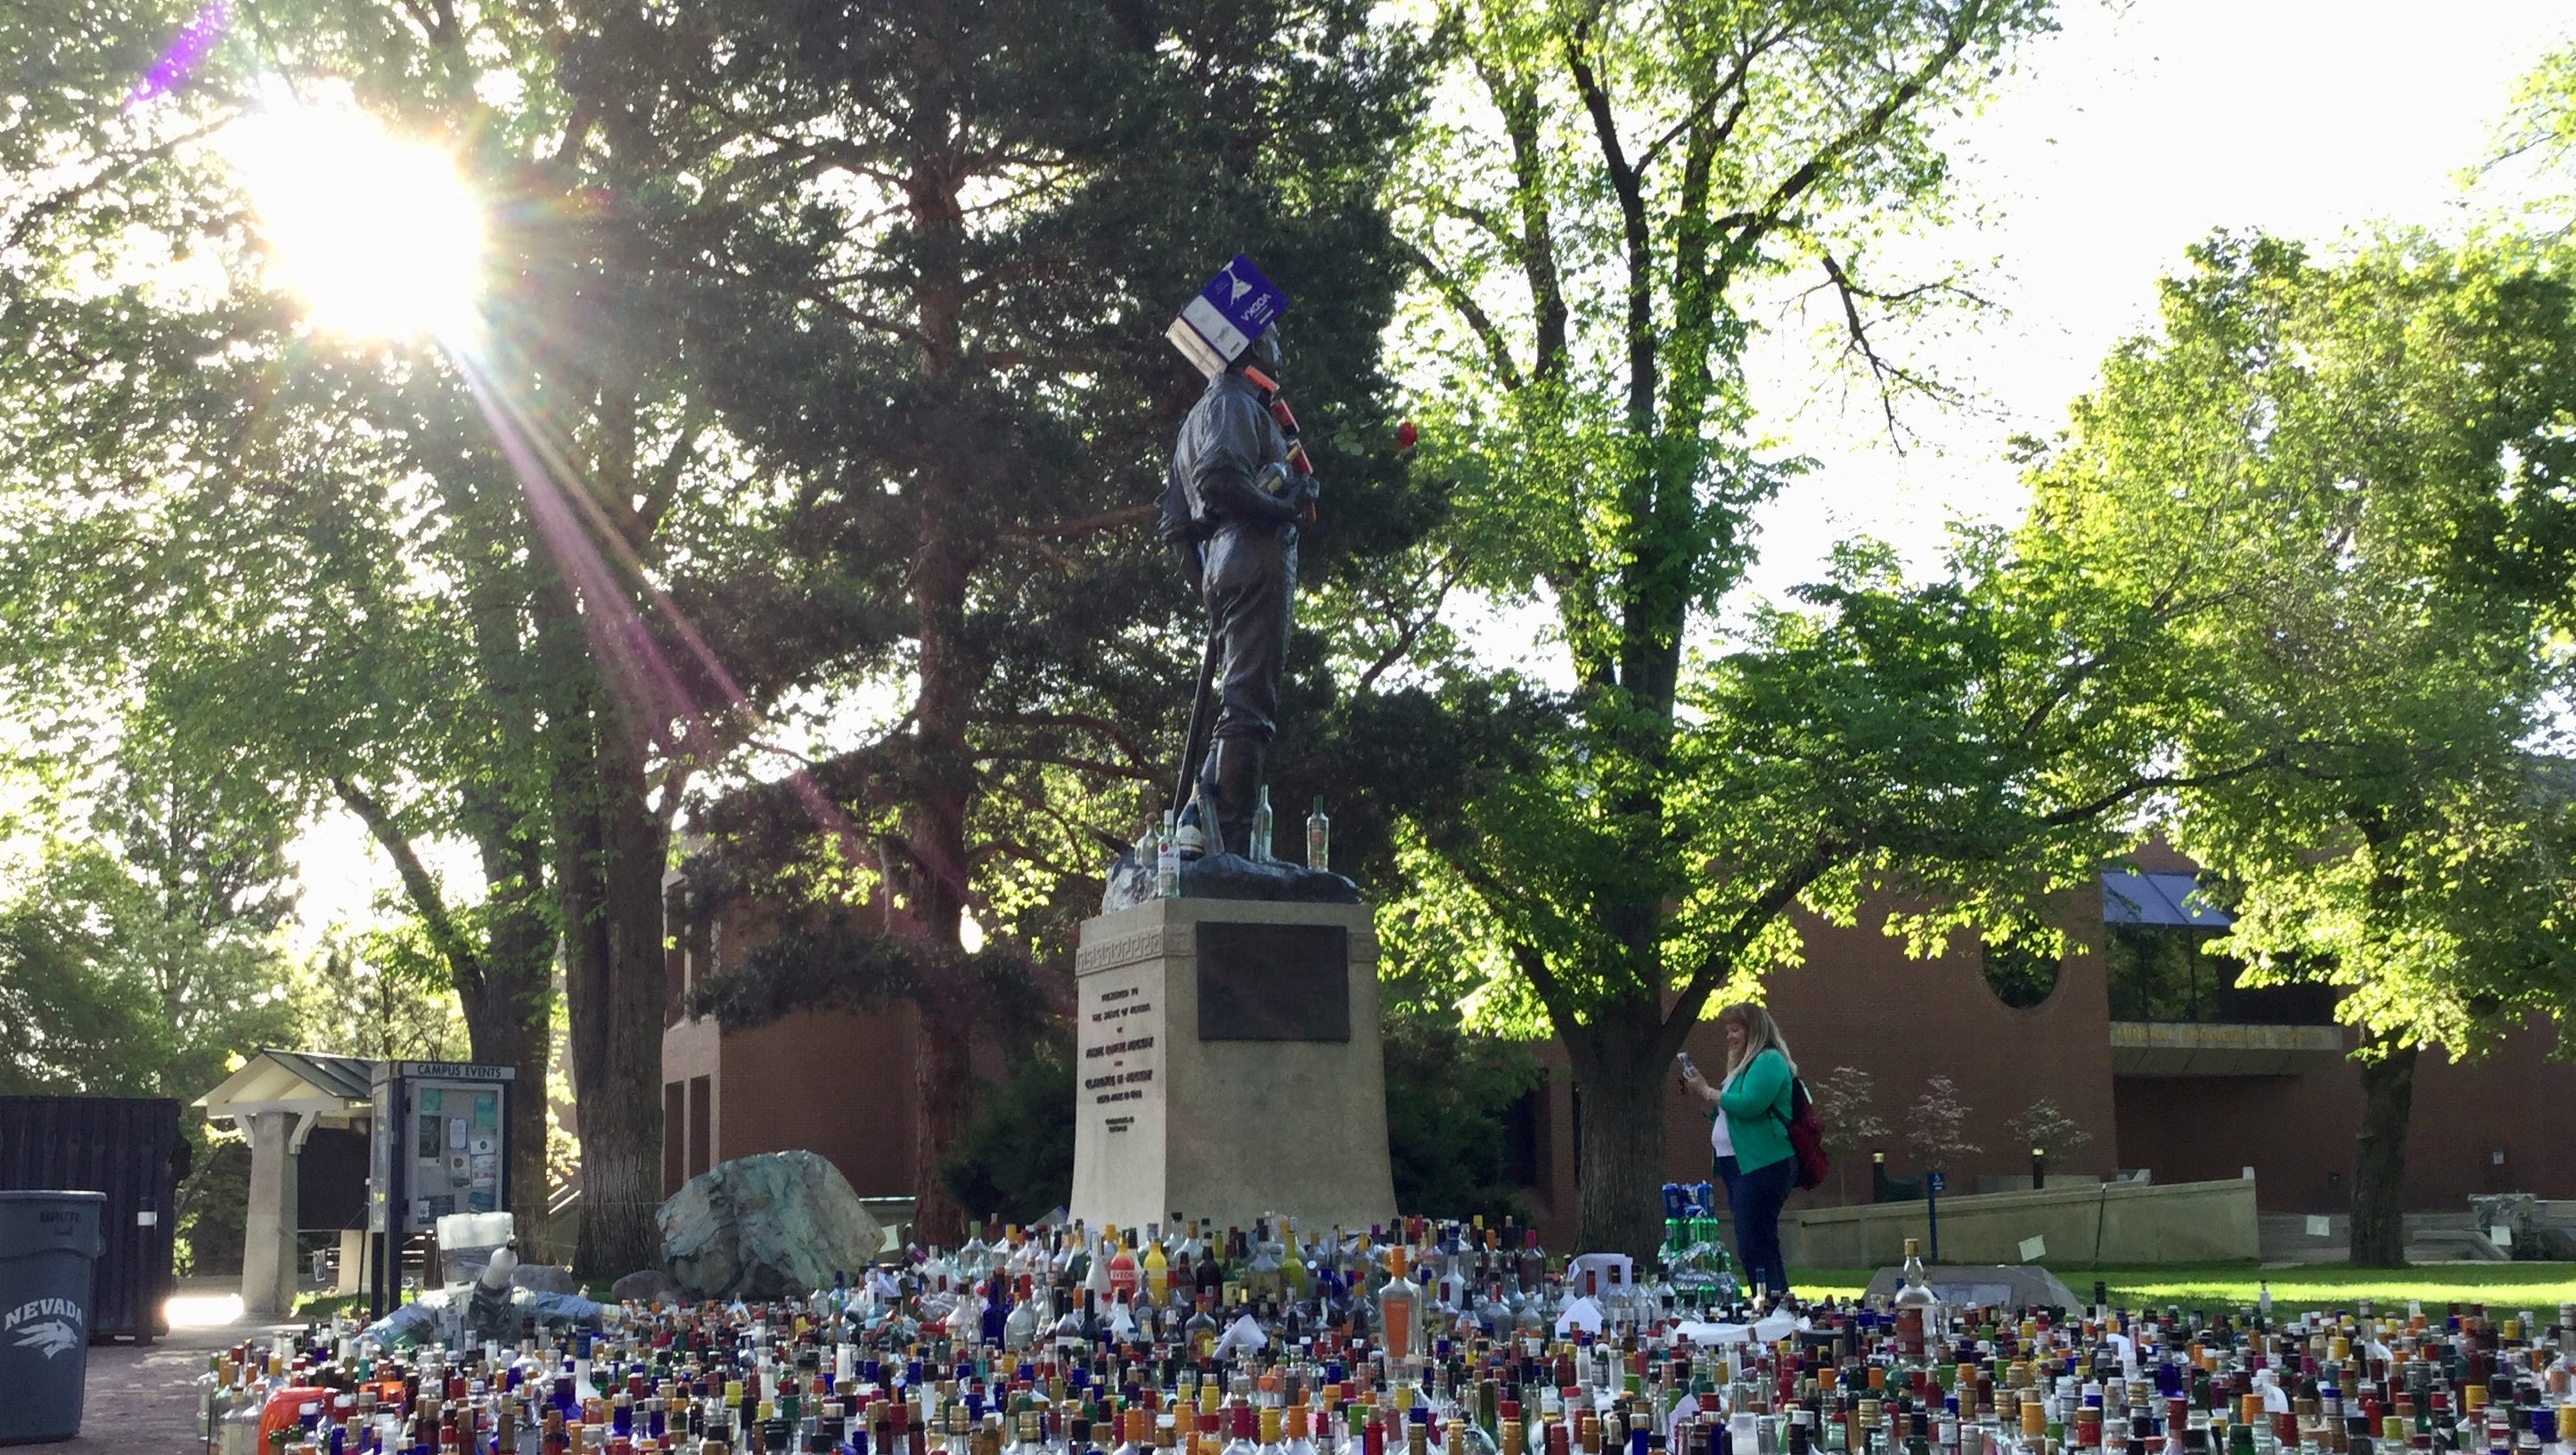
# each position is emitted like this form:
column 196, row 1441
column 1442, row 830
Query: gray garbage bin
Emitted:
column 48, row 1242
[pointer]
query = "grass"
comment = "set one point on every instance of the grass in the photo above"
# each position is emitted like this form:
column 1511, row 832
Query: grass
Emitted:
column 319, row 1306
column 2540, row 1287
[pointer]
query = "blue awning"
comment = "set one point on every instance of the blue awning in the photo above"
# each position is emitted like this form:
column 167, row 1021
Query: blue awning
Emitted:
column 2133, row 897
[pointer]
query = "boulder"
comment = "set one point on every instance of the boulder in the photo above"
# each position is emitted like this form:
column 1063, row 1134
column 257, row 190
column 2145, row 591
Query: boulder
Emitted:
column 544, row 1278
column 647, row 1285
column 772, row 1226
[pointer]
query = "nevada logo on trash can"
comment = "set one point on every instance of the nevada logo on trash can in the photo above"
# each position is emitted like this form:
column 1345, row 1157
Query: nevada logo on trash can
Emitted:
column 55, row 1325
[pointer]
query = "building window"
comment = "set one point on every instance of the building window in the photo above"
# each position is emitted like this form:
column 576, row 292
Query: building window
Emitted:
column 2166, row 973
column 675, row 1131
column 2020, row 974
column 701, row 1132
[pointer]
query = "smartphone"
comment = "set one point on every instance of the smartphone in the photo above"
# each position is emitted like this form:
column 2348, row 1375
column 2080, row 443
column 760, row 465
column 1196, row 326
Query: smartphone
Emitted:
column 1682, row 1058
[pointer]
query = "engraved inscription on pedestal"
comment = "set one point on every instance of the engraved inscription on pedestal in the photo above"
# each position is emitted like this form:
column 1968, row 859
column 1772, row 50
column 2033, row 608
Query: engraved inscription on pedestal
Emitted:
column 1117, row 1083
column 1230, row 1065
column 1273, row 982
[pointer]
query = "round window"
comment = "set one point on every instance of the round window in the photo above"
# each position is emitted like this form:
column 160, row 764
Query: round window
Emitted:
column 2019, row 973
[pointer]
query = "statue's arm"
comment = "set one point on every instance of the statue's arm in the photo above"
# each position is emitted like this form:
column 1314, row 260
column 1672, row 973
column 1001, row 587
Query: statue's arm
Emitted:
column 1230, row 463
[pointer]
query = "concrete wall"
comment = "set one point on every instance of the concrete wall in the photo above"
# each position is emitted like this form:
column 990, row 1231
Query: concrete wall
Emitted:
column 2192, row 1222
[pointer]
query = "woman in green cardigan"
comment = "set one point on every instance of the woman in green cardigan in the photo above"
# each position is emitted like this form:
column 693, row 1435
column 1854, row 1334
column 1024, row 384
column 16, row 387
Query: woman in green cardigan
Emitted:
column 1749, row 1133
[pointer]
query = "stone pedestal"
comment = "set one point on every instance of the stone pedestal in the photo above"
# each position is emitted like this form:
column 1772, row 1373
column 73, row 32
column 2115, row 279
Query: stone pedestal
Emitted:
column 1229, row 1066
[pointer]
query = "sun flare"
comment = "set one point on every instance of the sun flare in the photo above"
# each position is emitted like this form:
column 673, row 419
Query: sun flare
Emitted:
column 377, row 234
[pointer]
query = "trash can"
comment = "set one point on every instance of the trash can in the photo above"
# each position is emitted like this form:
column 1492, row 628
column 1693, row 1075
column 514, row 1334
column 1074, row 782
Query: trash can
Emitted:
column 48, row 1242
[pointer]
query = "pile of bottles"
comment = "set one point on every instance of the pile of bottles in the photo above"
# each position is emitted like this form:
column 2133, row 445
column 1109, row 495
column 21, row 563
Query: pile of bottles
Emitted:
column 936, row 1356
column 1694, row 1257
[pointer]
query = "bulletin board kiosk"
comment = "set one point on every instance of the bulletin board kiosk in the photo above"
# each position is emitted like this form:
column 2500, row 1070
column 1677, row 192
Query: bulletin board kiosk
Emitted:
column 441, row 1146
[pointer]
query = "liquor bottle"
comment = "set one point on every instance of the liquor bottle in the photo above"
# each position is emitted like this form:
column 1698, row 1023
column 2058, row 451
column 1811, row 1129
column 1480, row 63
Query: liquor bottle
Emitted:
column 1167, row 858
column 1123, row 1270
column 1260, row 850
column 1915, row 1303
column 1399, row 1311
column 1158, row 1271
column 1319, row 838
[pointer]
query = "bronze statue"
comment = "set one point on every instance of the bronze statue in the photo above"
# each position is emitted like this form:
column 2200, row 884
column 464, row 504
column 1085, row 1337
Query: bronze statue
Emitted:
column 1230, row 509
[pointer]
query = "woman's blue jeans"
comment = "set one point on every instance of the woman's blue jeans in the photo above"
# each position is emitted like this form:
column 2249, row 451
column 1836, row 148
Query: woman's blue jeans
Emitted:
column 1755, row 1199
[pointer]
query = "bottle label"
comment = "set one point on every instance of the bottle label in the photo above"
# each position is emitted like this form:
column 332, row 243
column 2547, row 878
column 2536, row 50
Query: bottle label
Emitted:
column 1398, row 1318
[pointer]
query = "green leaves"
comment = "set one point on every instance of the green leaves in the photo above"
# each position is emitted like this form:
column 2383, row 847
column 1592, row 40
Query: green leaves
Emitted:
column 2340, row 490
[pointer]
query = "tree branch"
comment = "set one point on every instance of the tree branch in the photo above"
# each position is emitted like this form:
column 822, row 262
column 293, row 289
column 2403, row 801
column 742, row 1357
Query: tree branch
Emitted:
column 1497, row 348
column 464, row 964
column 1125, row 515
column 1760, row 221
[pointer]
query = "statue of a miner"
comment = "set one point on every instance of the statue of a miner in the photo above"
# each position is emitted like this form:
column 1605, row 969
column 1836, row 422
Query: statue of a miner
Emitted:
column 1237, row 491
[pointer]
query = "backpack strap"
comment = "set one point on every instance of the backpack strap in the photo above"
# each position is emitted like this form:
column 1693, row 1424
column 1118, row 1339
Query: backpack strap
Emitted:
column 1782, row 1116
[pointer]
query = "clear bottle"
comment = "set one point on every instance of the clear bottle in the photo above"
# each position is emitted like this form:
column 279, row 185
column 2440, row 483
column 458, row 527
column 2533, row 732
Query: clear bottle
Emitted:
column 1261, row 827
column 1319, row 838
column 1399, row 1311
column 1167, row 858
column 1916, row 1306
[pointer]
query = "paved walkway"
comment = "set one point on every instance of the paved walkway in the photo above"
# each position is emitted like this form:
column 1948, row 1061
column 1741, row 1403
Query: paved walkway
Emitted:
column 142, row 1400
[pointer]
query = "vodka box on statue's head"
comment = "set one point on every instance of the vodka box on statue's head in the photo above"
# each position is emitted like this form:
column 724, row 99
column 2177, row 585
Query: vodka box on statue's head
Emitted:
column 1228, row 1066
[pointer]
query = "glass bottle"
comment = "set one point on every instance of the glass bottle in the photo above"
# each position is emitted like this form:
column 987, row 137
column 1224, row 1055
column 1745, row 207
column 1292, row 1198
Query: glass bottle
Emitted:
column 1319, row 838
column 1399, row 1308
column 1167, row 858
column 1915, row 1303
column 1260, row 853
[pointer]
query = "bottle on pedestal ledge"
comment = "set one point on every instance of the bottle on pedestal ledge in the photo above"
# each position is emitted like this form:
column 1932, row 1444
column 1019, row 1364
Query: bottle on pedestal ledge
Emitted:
column 1319, row 838
column 1259, row 852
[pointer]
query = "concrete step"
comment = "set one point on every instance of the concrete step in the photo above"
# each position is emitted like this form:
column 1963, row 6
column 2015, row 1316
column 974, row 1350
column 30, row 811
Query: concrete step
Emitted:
column 2443, row 1245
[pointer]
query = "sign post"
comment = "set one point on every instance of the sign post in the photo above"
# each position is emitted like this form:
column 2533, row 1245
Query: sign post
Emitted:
column 1933, row 1185
column 441, row 1145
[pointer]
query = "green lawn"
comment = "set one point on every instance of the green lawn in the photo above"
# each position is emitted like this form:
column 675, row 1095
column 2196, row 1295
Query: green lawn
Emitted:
column 2540, row 1287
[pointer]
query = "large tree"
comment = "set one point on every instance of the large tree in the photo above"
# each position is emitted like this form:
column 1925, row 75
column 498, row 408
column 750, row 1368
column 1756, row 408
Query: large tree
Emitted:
column 2355, row 472
column 1616, row 192
column 931, row 283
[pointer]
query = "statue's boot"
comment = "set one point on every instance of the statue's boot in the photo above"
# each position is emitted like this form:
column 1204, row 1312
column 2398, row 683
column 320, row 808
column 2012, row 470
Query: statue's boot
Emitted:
column 1235, row 770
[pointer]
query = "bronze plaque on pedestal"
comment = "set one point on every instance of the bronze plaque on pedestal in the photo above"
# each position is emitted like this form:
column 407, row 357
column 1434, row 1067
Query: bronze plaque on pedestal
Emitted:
column 1274, row 982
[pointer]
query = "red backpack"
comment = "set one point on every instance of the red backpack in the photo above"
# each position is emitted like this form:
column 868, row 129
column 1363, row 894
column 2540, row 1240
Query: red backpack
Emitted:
column 1806, row 1136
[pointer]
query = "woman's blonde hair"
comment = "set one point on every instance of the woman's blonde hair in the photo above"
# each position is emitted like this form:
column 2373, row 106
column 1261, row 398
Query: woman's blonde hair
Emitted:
column 1760, row 1033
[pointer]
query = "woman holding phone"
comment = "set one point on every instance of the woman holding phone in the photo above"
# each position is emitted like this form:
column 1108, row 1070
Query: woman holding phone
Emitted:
column 1749, row 1137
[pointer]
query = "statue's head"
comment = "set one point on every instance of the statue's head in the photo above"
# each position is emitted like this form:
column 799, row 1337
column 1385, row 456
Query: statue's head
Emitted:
column 1265, row 353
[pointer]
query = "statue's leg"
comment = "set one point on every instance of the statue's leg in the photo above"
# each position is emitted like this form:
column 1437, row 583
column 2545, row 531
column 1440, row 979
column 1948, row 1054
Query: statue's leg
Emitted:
column 1249, row 582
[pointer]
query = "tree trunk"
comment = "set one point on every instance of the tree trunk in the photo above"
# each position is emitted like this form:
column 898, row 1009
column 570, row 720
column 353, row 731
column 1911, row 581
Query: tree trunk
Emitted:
column 507, row 1017
column 1619, row 1158
column 935, row 827
column 2379, row 1158
column 609, row 862
column 943, row 1091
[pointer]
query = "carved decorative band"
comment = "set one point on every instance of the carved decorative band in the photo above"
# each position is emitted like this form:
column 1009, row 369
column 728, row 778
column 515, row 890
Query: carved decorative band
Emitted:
column 1161, row 942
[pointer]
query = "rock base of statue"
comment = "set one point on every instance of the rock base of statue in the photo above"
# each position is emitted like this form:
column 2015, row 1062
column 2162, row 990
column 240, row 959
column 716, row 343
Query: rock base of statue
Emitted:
column 1228, row 1065
column 1227, row 876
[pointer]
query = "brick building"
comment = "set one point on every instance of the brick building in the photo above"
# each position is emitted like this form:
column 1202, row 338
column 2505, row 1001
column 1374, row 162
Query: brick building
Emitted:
column 2144, row 1043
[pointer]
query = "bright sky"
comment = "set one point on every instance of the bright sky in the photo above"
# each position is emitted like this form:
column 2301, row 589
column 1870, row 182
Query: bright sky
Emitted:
column 2124, row 138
